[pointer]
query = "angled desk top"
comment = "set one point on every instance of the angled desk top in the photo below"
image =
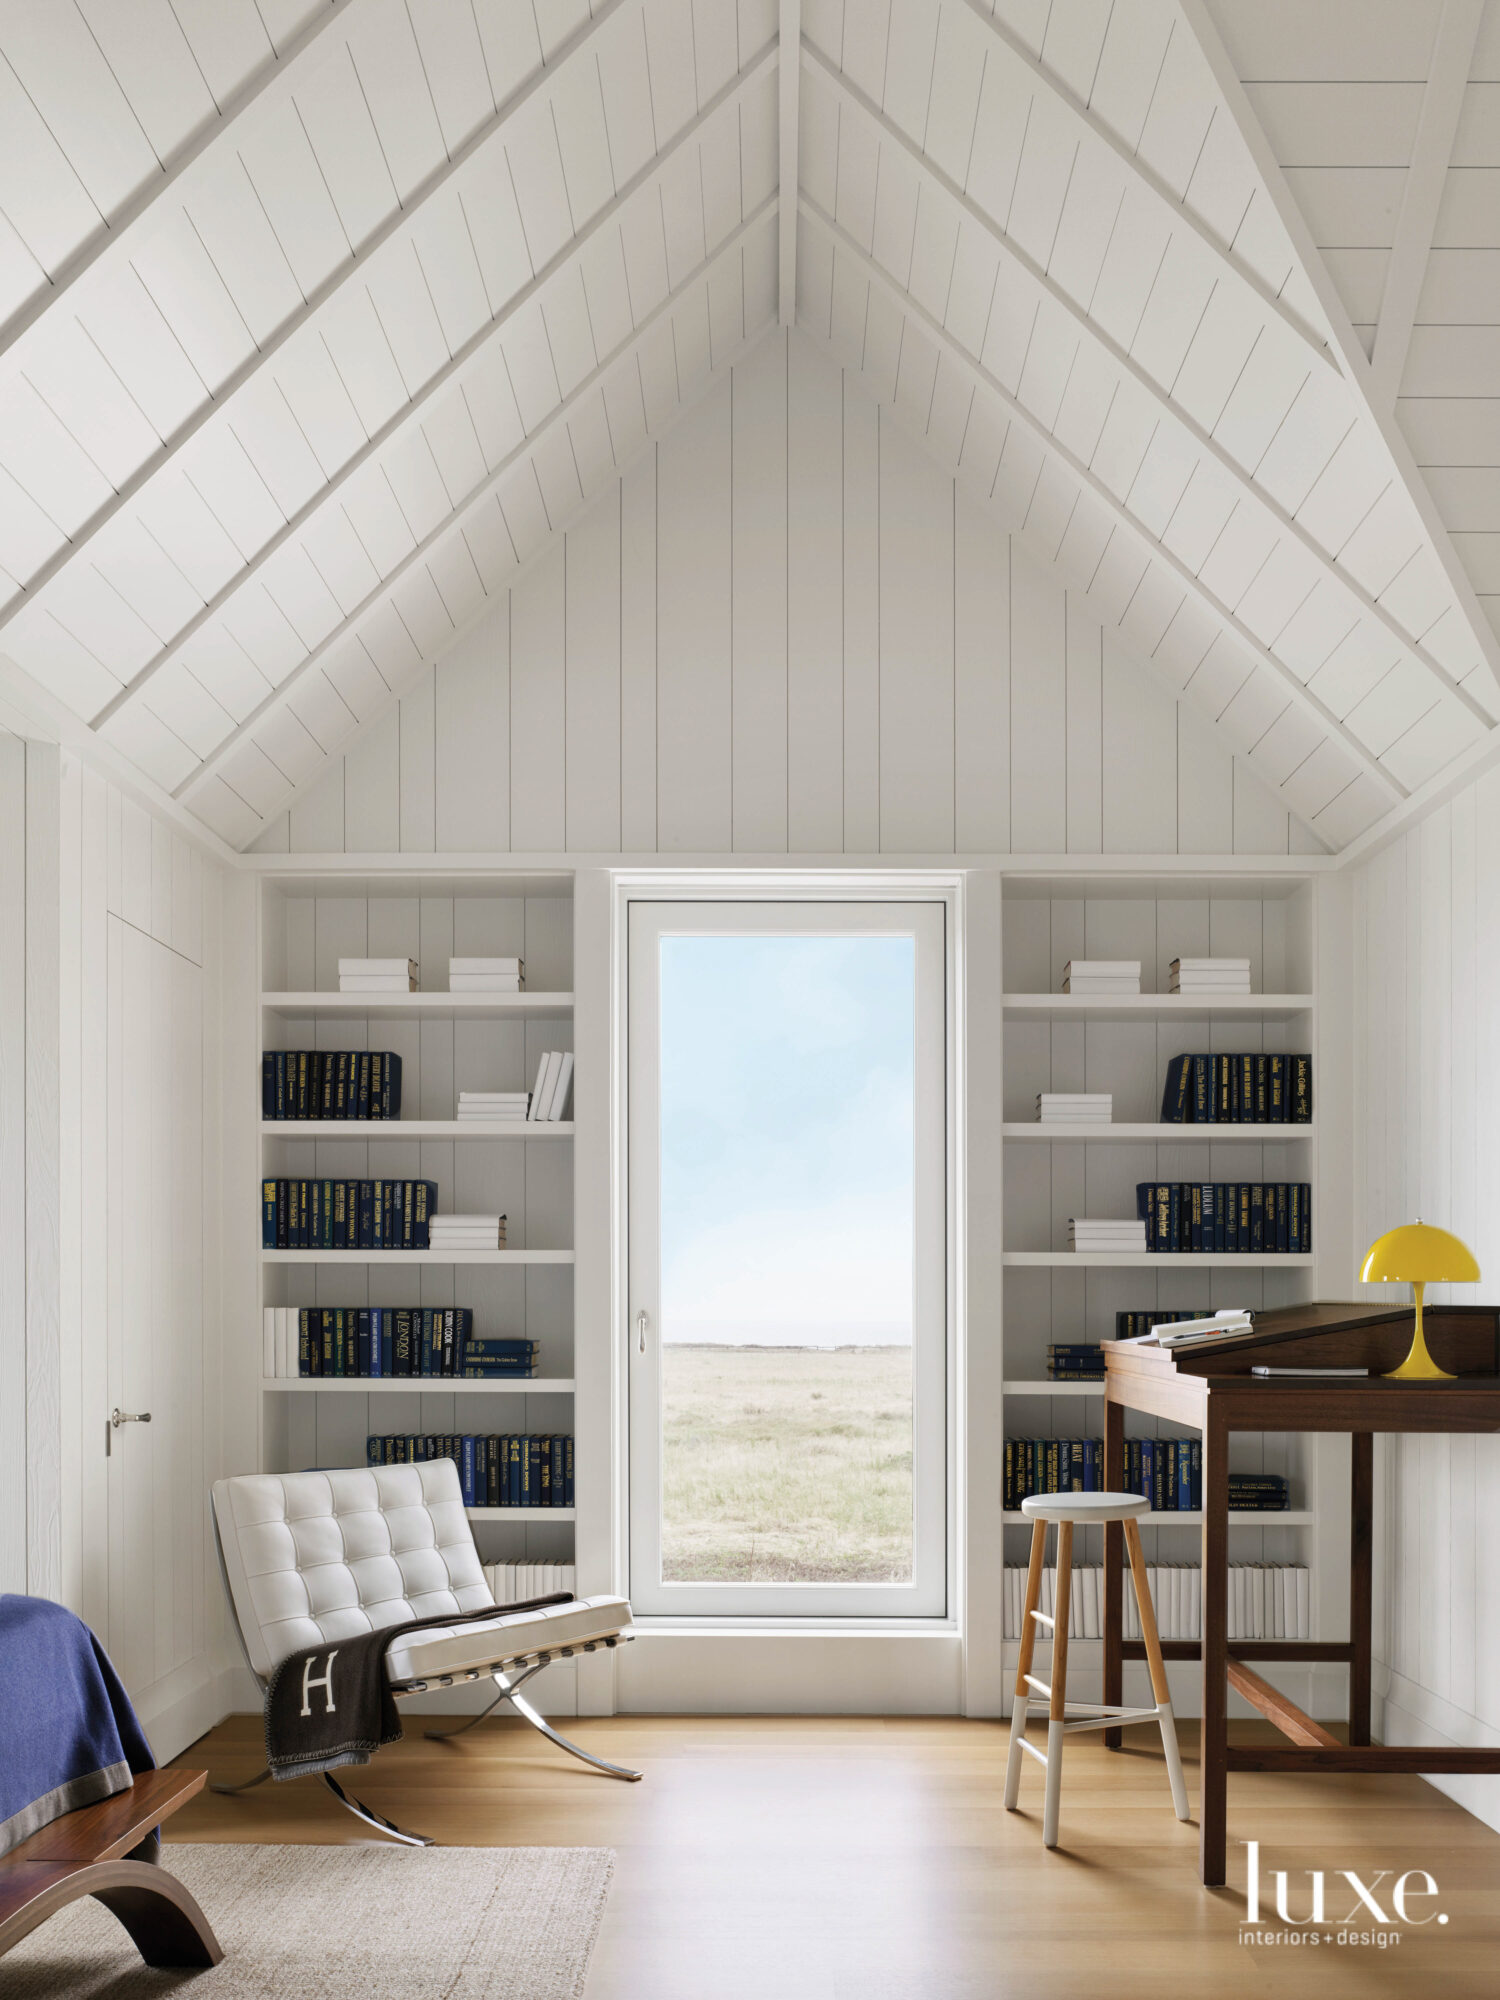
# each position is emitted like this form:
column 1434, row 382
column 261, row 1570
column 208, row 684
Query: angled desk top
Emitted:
column 1212, row 1389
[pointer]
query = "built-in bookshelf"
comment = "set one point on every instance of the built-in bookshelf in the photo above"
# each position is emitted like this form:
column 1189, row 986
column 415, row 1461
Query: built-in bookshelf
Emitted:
column 1123, row 1044
column 447, row 1042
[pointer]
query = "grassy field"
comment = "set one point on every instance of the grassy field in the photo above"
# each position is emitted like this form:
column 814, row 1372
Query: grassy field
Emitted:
column 786, row 1464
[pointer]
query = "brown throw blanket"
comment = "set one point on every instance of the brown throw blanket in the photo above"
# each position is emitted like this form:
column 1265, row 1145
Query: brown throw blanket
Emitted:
column 330, row 1705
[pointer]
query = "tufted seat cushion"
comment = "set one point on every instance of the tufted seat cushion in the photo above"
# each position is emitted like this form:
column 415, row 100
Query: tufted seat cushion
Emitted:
column 315, row 1556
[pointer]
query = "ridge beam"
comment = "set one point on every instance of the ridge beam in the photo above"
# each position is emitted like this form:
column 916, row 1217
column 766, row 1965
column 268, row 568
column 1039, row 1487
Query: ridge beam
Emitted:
column 1155, row 551
column 789, row 80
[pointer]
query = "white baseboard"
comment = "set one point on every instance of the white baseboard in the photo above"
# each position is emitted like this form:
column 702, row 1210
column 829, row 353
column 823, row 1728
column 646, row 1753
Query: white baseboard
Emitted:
column 697, row 1672
column 179, row 1711
column 1408, row 1713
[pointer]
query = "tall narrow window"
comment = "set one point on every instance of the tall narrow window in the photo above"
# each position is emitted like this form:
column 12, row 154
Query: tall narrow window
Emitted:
column 787, row 1259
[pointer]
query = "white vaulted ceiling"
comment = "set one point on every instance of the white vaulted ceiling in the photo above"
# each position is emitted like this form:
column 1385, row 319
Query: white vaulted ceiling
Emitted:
column 322, row 321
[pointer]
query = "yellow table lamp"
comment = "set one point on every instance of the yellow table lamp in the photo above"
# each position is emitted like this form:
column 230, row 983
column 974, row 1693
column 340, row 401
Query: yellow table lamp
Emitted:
column 1418, row 1254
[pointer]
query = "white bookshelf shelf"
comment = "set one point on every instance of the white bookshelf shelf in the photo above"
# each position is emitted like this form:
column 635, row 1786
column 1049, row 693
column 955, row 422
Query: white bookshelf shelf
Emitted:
column 420, row 1006
column 1159, row 1006
column 375, row 1129
column 1148, row 1260
column 1050, row 1388
column 521, row 1514
column 416, row 1256
column 1160, row 1135
column 1239, row 1517
column 418, row 1385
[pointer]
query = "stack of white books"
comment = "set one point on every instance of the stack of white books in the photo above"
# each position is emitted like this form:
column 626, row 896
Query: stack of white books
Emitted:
column 378, row 975
column 1266, row 1601
column 1062, row 1107
column 554, row 1080
column 279, row 1342
column 486, row 975
column 493, row 1106
column 466, row 1232
column 515, row 1582
column 1102, row 976
column 1106, row 1235
column 1210, row 975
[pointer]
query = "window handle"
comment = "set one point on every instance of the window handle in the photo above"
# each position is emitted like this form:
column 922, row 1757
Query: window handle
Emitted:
column 642, row 1321
column 117, row 1417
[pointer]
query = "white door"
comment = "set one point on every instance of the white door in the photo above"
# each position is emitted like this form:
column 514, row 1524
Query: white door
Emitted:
column 788, row 1289
column 154, row 1590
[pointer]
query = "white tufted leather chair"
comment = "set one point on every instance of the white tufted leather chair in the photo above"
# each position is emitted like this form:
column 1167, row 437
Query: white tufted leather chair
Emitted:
column 315, row 1556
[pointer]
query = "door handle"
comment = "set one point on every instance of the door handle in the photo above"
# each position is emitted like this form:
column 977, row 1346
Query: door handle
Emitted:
column 642, row 1321
column 116, row 1418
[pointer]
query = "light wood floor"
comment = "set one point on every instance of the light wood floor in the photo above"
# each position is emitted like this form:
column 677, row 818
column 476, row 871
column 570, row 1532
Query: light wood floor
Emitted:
column 820, row 1858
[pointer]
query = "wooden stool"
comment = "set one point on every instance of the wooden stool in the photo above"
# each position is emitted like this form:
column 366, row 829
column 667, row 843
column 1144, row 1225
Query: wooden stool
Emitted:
column 1089, row 1510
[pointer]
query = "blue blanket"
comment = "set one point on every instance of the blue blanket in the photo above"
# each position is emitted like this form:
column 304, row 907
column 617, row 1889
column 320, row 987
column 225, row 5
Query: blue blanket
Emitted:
column 68, row 1734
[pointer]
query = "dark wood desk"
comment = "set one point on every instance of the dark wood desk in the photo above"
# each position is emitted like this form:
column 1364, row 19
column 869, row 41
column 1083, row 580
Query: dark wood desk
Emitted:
column 1213, row 1391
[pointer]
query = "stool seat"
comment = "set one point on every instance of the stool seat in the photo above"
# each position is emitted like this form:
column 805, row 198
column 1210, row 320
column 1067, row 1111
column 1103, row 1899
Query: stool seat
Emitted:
column 1085, row 1508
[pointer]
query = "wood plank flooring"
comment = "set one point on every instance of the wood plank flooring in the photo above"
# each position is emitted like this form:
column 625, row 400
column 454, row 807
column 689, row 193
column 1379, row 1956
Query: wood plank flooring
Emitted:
column 855, row 1858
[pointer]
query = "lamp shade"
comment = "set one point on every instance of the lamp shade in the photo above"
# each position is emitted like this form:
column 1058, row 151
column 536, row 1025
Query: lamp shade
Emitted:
column 1418, row 1253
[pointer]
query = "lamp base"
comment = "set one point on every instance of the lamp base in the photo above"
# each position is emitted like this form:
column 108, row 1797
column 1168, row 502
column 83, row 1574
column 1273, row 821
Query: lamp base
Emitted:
column 1419, row 1365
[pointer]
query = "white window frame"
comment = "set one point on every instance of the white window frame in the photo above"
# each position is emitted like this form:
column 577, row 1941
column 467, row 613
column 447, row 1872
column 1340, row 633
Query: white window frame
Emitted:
column 769, row 910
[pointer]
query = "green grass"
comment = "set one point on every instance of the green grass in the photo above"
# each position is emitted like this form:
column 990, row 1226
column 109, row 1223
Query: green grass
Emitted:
column 786, row 1464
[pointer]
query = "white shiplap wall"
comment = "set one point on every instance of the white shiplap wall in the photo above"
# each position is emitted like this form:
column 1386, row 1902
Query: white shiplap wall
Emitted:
column 785, row 630
column 1427, row 1142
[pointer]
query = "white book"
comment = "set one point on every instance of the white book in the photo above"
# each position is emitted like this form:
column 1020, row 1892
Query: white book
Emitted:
column 541, row 1093
column 1100, row 988
column 1104, row 968
column 1211, row 965
column 482, row 982
column 1304, row 1611
column 405, row 966
column 268, row 1343
column 511, row 966
column 560, row 1083
column 285, row 1364
column 375, row 982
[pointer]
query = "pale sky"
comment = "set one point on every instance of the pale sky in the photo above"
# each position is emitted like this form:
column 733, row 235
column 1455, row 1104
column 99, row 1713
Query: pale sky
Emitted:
column 787, row 1082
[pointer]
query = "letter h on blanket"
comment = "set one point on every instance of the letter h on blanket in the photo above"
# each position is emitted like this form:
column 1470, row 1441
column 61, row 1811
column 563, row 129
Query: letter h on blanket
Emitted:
column 376, row 1567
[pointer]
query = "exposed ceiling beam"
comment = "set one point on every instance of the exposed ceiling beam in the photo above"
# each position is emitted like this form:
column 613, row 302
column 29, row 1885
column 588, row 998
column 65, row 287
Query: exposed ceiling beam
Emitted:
column 476, row 618
column 479, row 492
column 1145, row 542
column 1165, row 197
column 789, row 80
column 409, row 416
column 118, row 236
column 1188, row 430
column 396, row 226
column 1351, row 354
column 1442, row 102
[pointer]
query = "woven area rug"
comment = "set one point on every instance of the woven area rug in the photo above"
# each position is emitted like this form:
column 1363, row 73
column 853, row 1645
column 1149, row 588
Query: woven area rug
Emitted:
column 346, row 1923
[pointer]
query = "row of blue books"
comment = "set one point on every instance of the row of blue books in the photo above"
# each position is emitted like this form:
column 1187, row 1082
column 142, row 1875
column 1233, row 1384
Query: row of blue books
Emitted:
column 330, row 1083
column 1238, row 1090
column 493, row 1471
column 376, row 1342
column 346, row 1215
column 1168, row 1472
column 1242, row 1216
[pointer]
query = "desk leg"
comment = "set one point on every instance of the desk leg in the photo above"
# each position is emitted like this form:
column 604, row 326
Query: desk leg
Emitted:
column 1214, row 1752
column 1114, row 1552
column 1361, row 1535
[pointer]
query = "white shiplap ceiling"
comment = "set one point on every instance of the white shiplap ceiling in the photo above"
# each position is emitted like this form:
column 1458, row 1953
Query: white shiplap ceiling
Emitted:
column 320, row 321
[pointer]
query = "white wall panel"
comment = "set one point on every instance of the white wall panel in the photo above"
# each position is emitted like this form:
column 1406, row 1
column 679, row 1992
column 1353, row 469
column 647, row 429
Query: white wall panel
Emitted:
column 784, row 629
column 1427, row 1142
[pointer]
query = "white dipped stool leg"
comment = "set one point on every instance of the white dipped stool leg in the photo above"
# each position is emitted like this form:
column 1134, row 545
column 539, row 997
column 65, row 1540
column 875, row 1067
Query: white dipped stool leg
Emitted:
column 1058, row 1704
column 1022, row 1700
column 1159, row 1684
